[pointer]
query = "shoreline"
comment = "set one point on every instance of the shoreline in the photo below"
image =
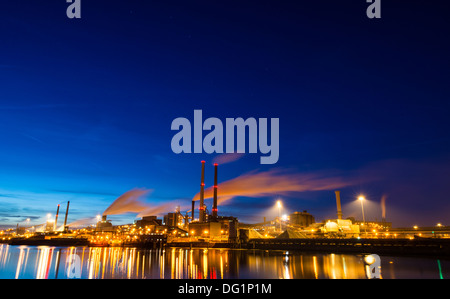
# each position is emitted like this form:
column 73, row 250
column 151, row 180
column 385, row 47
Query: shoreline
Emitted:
column 398, row 247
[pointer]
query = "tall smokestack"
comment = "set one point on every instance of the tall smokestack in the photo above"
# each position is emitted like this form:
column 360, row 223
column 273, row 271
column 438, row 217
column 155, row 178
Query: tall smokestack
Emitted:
column 338, row 204
column 67, row 212
column 214, row 209
column 202, row 195
column 192, row 211
column 56, row 218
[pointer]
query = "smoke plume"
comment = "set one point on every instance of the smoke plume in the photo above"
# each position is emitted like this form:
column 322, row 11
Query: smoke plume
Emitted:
column 131, row 202
column 227, row 158
column 80, row 223
column 383, row 206
column 272, row 182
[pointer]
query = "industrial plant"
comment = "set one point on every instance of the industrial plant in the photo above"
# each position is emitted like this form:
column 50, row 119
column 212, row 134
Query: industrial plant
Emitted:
column 299, row 230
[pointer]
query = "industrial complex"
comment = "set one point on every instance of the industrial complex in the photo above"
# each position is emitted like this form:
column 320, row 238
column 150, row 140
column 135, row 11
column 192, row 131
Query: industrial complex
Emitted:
column 299, row 230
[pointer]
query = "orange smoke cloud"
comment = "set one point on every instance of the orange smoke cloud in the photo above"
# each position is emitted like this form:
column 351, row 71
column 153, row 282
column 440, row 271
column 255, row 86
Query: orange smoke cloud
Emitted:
column 80, row 222
column 131, row 202
column 274, row 182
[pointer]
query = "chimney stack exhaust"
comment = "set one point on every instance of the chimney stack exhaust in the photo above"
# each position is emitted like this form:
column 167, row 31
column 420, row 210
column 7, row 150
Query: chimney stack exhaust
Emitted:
column 201, row 208
column 214, row 209
column 338, row 204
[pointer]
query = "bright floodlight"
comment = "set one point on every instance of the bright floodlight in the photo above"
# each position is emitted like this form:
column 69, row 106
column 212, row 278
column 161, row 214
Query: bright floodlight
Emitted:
column 361, row 198
column 279, row 203
column 369, row 259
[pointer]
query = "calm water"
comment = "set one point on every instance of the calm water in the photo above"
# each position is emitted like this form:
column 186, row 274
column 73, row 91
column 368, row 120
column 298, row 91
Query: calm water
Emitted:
column 43, row 262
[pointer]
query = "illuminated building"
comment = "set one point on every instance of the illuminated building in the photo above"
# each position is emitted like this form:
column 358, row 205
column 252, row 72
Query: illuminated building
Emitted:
column 104, row 225
column 303, row 219
column 148, row 221
column 173, row 219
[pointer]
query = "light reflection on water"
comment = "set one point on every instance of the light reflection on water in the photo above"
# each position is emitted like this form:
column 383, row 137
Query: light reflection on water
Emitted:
column 44, row 262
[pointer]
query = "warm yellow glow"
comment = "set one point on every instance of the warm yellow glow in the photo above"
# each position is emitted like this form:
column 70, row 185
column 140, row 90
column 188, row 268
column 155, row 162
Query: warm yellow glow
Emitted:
column 361, row 198
column 415, row 227
column 369, row 259
column 279, row 203
column 315, row 267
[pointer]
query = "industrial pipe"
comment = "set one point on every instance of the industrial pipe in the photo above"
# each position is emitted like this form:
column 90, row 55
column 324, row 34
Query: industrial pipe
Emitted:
column 338, row 204
column 56, row 218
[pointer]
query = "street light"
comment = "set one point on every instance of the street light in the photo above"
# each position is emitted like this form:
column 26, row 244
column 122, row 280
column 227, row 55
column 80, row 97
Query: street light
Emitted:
column 361, row 199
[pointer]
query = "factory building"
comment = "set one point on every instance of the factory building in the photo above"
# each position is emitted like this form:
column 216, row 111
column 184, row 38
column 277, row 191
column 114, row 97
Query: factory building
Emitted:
column 104, row 225
column 49, row 226
column 301, row 219
column 150, row 224
column 174, row 219
column 205, row 230
column 340, row 227
column 148, row 221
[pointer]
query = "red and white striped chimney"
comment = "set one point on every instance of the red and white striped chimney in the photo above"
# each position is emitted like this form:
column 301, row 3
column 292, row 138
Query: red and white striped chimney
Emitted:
column 201, row 208
column 214, row 209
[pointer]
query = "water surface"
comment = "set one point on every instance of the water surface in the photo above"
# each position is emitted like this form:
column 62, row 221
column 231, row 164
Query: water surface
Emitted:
column 42, row 262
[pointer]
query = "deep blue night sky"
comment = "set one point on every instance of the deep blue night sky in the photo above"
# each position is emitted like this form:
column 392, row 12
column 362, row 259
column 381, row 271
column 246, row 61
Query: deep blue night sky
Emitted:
column 86, row 105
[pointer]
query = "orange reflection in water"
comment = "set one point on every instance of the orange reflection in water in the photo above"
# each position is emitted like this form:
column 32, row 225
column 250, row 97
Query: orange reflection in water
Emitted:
column 174, row 263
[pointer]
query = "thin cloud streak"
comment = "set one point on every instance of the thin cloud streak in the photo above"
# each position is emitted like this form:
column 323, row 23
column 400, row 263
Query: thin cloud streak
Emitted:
column 227, row 158
column 276, row 182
